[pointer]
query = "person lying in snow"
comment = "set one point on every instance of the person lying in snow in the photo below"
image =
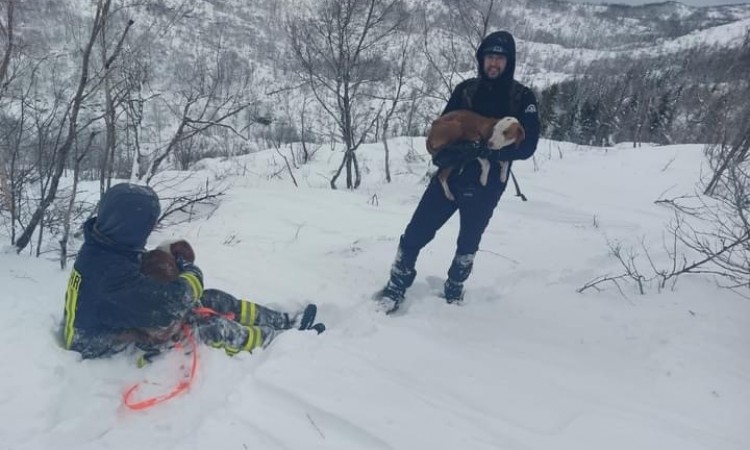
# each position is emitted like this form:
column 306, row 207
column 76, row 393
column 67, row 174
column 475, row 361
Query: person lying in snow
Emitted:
column 110, row 304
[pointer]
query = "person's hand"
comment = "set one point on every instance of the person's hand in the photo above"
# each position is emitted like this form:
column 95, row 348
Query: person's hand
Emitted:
column 458, row 154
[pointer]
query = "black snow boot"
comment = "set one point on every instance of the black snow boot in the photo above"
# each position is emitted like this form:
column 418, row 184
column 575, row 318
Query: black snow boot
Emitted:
column 306, row 319
column 453, row 291
column 458, row 273
column 402, row 276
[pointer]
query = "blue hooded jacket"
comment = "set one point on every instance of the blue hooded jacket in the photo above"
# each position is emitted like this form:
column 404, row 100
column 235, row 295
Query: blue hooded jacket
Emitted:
column 107, row 296
column 500, row 97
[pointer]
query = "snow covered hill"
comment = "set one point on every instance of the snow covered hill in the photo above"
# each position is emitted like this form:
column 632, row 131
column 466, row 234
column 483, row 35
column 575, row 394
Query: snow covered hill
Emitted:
column 553, row 35
column 525, row 363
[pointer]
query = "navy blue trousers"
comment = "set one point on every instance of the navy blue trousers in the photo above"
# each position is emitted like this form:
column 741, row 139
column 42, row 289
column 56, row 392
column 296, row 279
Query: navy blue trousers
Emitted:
column 475, row 204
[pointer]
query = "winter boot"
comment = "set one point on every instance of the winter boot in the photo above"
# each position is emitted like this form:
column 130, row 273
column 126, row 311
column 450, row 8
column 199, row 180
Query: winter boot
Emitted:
column 390, row 297
column 254, row 314
column 306, row 319
column 453, row 291
column 233, row 337
column 458, row 273
column 402, row 276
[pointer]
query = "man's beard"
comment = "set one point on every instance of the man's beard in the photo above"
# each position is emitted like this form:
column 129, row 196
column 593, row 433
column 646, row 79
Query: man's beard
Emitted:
column 493, row 74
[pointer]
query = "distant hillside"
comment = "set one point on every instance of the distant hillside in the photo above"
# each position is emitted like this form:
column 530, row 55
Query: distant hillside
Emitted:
column 558, row 41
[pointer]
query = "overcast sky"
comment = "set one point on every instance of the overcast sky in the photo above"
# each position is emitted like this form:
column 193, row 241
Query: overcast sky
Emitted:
column 687, row 2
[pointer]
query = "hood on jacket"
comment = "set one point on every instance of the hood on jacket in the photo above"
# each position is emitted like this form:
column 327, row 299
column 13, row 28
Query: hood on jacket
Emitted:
column 127, row 214
column 500, row 42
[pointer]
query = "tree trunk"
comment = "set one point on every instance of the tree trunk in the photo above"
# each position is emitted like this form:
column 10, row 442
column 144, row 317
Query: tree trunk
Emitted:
column 63, row 151
column 5, row 190
column 105, row 174
column 387, row 151
column 338, row 172
column 357, row 173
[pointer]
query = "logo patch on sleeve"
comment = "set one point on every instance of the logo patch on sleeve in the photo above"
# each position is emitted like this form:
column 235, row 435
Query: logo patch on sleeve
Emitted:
column 530, row 109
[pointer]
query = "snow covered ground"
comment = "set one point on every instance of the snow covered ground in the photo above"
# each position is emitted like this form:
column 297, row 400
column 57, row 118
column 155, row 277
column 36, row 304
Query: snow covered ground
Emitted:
column 525, row 363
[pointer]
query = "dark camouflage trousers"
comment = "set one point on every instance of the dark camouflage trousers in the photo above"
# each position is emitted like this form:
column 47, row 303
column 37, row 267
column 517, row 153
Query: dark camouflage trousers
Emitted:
column 235, row 325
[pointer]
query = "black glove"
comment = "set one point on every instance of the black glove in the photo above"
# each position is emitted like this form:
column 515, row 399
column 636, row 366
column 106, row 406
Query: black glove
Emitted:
column 193, row 275
column 458, row 154
column 485, row 152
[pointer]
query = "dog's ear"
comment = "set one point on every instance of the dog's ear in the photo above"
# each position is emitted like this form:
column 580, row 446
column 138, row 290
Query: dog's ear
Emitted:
column 516, row 132
column 179, row 249
column 430, row 141
column 182, row 249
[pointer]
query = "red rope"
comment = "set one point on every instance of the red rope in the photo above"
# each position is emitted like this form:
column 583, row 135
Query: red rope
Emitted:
column 187, row 379
column 206, row 312
column 182, row 385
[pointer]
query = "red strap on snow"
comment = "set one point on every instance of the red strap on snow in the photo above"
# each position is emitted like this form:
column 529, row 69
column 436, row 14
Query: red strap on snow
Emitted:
column 182, row 386
column 206, row 312
column 188, row 375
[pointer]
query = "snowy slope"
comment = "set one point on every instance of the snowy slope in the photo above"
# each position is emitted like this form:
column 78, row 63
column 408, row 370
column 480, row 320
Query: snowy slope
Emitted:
column 525, row 363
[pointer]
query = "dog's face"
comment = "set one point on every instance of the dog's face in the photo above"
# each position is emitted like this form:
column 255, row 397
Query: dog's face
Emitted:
column 505, row 132
column 159, row 265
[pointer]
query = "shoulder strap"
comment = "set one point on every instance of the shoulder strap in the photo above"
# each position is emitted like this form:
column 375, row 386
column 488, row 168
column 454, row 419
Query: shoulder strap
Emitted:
column 516, row 98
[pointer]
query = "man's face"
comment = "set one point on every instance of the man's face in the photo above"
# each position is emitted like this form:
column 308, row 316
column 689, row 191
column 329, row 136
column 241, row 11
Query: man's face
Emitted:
column 494, row 65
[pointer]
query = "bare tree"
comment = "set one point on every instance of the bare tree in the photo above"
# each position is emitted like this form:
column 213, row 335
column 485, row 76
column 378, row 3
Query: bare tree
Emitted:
column 306, row 154
column 84, row 90
column 471, row 19
column 445, row 59
column 730, row 151
column 6, row 34
column 21, row 132
column 78, row 156
column 339, row 47
column 727, row 245
column 710, row 233
column 214, row 89
column 110, row 113
column 399, row 77
column 134, row 75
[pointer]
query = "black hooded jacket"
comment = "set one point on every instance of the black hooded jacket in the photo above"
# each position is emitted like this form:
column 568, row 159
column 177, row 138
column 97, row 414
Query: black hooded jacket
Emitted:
column 500, row 97
column 107, row 295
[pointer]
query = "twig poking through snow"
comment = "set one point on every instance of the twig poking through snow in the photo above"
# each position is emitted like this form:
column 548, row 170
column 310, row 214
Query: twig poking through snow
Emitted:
column 314, row 425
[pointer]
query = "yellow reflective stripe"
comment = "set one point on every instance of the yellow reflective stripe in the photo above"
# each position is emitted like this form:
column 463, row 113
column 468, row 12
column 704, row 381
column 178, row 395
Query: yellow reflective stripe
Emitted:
column 248, row 311
column 253, row 338
column 71, row 303
column 194, row 283
column 243, row 311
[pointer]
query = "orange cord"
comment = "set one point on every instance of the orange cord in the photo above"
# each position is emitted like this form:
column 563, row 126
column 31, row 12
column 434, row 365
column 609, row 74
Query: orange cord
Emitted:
column 185, row 383
column 206, row 312
column 180, row 388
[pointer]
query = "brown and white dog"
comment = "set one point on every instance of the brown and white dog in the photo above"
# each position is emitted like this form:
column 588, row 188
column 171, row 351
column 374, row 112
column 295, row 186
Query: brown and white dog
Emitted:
column 161, row 265
column 465, row 125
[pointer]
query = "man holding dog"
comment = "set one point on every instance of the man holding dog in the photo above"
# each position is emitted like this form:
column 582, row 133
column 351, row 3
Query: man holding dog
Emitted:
column 494, row 93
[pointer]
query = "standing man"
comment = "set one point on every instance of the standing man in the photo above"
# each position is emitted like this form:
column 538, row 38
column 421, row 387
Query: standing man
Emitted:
column 494, row 93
